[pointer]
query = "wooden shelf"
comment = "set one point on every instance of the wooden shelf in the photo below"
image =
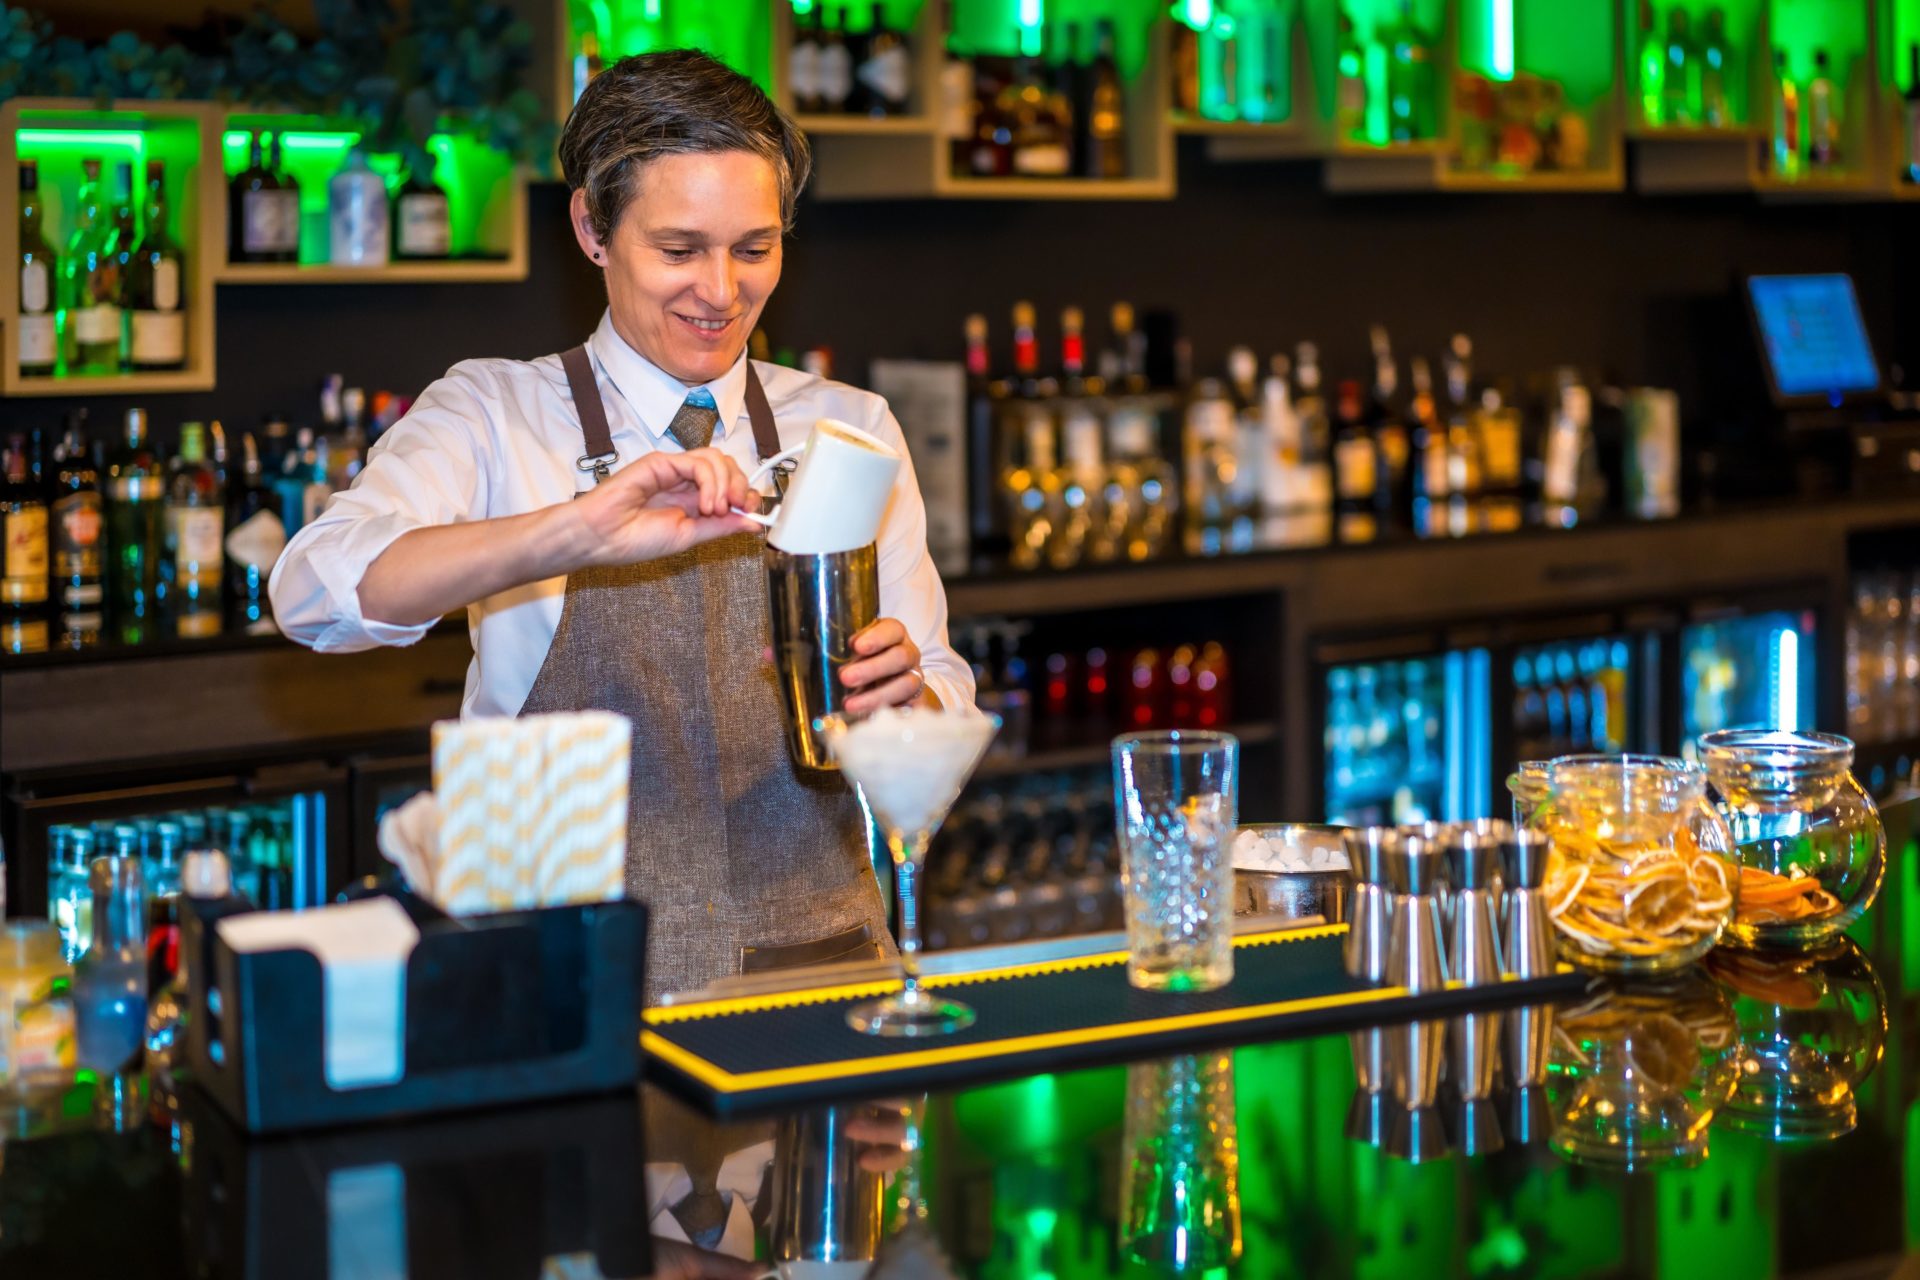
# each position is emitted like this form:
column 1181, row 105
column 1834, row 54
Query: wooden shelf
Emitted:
column 1087, row 755
column 1201, row 126
column 865, row 126
column 1054, row 188
column 1695, row 135
column 458, row 271
column 114, row 384
column 1547, row 181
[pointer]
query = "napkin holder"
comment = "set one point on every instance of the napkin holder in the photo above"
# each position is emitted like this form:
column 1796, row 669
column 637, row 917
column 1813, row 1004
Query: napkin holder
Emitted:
column 506, row 1008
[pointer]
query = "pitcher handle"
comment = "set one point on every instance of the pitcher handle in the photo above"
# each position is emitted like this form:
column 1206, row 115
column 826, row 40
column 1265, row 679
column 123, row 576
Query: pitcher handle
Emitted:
column 765, row 519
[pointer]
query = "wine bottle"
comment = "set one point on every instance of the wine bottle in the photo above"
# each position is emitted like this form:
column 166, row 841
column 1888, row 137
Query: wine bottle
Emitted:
column 77, row 529
column 136, row 512
column 836, row 65
column 38, row 348
column 196, row 519
column 1106, row 110
column 153, row 298
column 885, row 73
column 89, row 276
column 422, row 226
column 286, row 199
column 803, row 62
column 23, row 553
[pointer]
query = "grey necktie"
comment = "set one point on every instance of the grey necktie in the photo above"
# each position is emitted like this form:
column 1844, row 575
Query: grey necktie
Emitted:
column 693, row 425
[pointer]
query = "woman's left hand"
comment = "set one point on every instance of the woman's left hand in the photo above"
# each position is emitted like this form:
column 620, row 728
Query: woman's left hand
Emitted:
column 888, row 673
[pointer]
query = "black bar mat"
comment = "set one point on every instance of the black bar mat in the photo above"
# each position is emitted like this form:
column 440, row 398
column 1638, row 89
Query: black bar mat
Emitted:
column 756, row 1052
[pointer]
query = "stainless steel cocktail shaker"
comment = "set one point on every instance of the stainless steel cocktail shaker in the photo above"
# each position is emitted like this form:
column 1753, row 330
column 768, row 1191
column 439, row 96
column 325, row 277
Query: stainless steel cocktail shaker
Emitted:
column 817, row 603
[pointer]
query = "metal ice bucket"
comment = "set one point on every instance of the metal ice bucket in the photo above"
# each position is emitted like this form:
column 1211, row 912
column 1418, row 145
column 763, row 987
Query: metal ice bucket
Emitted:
column 817, row 603
column 1294, row 895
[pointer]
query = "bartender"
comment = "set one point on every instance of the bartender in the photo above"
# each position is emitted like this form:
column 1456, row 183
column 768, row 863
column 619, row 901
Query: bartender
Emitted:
column 578, row 507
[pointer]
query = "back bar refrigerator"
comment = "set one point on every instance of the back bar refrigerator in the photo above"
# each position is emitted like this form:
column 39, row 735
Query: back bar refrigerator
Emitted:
column 1748, row 665
column 285, row 829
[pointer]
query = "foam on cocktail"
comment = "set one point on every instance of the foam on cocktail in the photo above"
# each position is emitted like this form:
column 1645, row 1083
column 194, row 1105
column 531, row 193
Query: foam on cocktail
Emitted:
column 910, row 765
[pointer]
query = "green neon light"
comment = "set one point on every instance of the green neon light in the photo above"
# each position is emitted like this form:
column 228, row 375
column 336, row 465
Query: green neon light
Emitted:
column 68, row 139
column 1502, row 62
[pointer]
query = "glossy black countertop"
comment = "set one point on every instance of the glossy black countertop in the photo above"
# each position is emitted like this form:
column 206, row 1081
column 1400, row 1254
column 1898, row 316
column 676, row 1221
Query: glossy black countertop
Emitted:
column 1754, row 1116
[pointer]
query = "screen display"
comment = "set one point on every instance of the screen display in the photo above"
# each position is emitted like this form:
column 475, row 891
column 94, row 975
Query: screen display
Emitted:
column 1815, row 340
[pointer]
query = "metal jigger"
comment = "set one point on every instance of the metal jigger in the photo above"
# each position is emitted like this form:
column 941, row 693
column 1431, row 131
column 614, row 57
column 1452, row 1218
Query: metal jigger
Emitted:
column 1417, row 1135
column 1529, row 1115
column 816, row 604
column 1528, row 946
column 1473, row 958
column 1370, row 906
column 1369, row 1117
column 1415, row 961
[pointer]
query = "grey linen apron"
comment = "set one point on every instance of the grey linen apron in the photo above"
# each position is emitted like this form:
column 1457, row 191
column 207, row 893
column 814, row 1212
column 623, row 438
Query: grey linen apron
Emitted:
column 744, row 860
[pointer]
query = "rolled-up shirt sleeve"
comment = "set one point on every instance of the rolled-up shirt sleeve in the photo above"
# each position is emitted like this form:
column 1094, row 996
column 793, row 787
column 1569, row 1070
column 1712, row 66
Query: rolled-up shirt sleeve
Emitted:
column 430, row 468
column 910, row 586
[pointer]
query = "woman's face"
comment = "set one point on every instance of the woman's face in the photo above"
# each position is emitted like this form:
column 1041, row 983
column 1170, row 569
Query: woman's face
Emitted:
column 693, row 259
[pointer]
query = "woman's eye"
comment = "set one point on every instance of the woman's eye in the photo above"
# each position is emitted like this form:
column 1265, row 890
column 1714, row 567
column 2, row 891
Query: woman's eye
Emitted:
column 677, row 255
column 753, row 255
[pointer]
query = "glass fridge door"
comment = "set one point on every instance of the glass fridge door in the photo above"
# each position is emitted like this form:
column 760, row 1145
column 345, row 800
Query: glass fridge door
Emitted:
column 1407, row 739
column 1755, row 669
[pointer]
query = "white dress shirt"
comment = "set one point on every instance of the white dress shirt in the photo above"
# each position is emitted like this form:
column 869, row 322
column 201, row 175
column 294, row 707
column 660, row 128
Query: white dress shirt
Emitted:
column 502, row 438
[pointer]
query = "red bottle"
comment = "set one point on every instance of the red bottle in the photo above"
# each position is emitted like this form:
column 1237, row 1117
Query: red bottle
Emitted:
column 1057, row 690
column 1143, row 698
column 1212, row 687
column 1096, row 698
column 1180, row 670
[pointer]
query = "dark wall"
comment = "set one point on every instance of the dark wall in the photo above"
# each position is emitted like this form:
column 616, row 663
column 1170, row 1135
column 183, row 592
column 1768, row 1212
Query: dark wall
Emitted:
column 1633, row 287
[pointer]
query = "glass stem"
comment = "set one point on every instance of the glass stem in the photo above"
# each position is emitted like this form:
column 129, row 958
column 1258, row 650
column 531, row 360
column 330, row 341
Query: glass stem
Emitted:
column 905, row 870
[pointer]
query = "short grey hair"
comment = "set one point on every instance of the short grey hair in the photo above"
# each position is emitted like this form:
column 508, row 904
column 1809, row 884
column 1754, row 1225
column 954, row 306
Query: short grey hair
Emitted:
column 673, row 102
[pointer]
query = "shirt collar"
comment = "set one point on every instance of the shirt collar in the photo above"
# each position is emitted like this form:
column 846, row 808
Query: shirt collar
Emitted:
column 656, row 395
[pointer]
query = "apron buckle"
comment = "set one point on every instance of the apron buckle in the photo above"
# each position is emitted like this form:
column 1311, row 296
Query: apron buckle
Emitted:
column 598, row 463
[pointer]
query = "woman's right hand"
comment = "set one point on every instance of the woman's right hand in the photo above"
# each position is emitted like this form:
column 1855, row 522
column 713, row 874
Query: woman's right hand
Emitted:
column 661, row 504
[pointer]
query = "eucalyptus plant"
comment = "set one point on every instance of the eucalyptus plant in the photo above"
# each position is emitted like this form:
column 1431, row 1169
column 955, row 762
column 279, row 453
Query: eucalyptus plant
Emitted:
column 456, row 66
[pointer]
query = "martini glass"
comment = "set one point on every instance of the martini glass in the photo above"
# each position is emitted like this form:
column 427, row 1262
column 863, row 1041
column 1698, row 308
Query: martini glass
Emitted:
column 909, row 763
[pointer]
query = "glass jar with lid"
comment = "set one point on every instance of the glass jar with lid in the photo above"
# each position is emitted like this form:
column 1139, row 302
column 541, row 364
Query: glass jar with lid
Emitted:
column 1641, row 878
column 1811, row 846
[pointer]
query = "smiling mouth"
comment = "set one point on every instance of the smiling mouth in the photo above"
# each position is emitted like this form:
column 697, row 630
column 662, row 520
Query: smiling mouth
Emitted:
column 704, row 325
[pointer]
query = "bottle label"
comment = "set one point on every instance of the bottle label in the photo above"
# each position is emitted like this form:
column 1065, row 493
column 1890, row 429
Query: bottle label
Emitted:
column 197, row 545
column 889, row 74
column 1048, row 159
column 957, row 102
column 425, row 230
column 257, row 541
column 198, row 624
column 38, row 342
column 76, row 543
column 96, row 324
column 35, row 295
column 1353, row 462
column 159, row 337
column 803, row 70
column 836, row 75
column 270, row 222
column 23, row 635
column 26, row 556
column 166, row 285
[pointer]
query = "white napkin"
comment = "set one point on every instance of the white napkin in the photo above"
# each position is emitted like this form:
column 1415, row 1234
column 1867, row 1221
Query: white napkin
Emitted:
column 362, row 948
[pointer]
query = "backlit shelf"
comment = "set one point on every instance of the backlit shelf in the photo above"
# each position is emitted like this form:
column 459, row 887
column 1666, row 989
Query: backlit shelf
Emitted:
column 1203, row 127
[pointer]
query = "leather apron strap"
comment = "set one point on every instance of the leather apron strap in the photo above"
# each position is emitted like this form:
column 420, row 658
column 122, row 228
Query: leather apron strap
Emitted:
column 601, row 455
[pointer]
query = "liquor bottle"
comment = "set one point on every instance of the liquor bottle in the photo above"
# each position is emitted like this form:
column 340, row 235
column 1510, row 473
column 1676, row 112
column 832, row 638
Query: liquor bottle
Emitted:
column 1185, row 59
column 1040, row 143
column 1249, row 431
column 110, row 981
column 1356, row 469
column 285, row 197
column 1316, row 434
column 1350, row 84
column 1823, row 124
column 1105, row 155
column 1713, row 71
column 196, row 529
column 1910, row 109
column 357, row 214
column 257, row 536
column 836, row 65
column 77, row 526
column 38, row 348
column 157, row 324
column 125, row 236
column 1427, row 453
column 136, row 535
column 1073, row 78
column 1651, row 64
column 253, row 216
column 1390, row 434
column 987, row 456
column 1207, row 454
column 421, row 225
column 90, row 282
column 959, row 103
column 586, row 62
column 803, row 61
column 1410, row 78
column 1679, row 85
column 885, row 72
column 23, row 553
column 1786, row 120
column 1464, row 452
column 1057, row 81
column 1219, row 74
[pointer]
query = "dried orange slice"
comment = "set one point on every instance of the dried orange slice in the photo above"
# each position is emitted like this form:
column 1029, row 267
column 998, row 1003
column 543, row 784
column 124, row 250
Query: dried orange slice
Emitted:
column 1661, row 906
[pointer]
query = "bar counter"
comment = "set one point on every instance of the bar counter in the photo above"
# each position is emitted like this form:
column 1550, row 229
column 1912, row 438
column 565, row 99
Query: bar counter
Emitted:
column 1756, row 1115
